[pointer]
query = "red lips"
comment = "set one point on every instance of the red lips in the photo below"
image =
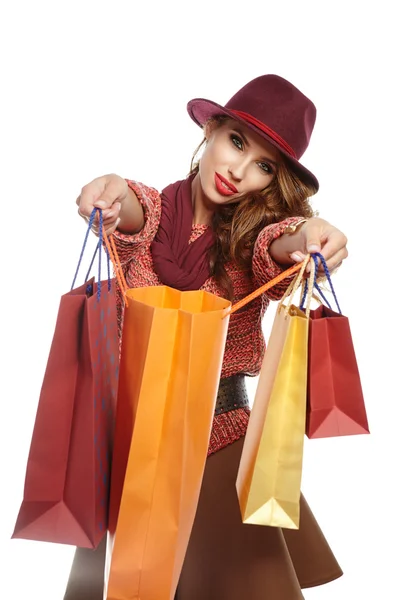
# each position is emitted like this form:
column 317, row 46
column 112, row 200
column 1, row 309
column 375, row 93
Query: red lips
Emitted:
column 224, row 186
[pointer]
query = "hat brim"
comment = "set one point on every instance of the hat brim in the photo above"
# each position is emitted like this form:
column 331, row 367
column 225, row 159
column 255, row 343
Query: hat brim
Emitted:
column 200, row 110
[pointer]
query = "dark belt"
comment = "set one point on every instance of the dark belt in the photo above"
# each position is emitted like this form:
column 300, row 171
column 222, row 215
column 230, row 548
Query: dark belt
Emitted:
column 232, row 394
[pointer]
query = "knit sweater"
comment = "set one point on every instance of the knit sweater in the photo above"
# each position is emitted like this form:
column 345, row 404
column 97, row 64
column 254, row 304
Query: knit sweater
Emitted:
column 245, row 344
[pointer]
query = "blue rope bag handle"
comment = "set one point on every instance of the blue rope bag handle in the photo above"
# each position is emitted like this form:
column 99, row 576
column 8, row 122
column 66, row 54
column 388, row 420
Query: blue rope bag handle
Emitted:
column 97, row 250
column 315, row 256
column 100, row 245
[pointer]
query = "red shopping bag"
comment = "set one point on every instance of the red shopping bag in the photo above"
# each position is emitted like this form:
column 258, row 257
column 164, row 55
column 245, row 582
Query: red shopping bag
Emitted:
column 67, row 475
column 335, row 403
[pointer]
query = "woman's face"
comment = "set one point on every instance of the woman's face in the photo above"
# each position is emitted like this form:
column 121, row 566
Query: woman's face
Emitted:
column 235, row 161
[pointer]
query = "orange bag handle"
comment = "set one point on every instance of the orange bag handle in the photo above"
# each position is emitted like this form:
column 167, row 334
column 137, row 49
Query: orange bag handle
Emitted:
column 113, row 254
column 112, row 251
column 264, row 288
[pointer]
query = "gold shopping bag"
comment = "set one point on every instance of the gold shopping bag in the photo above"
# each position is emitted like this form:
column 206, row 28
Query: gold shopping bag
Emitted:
column 269, row 476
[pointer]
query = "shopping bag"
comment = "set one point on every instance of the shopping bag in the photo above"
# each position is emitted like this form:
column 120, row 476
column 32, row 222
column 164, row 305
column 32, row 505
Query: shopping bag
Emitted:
column 171, row 358
column 269, row 476
column 66, row 488
column 335, row 404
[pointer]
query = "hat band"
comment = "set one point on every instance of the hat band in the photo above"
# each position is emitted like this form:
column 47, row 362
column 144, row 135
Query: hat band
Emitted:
column 270, row 132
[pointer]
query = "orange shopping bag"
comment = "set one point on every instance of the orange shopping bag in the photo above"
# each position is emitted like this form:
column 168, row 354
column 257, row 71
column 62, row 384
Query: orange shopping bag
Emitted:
column 171, row 357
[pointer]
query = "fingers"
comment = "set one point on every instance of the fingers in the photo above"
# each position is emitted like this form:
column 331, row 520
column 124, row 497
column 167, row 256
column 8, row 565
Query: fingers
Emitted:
column 111, row 222
column 109, row 215
column 331, row 242
column 109, row 228
column 334, row 250
column 111, row 219
column 298, row 256
column 83, row 216
column 106, row 192
column 113, row 192
column 112, row 214
column 78, row 201
column 319, row 236
column 333, row 261
column 90, row 193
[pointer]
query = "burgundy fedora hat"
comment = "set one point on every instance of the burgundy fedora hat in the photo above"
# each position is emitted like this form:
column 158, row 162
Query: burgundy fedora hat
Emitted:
column 275, row 109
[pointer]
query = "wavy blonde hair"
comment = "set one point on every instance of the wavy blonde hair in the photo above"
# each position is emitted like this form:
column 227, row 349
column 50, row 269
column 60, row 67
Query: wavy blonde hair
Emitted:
column 236, row 226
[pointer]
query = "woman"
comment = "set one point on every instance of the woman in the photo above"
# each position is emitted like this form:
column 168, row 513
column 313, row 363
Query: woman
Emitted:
column 239, row 218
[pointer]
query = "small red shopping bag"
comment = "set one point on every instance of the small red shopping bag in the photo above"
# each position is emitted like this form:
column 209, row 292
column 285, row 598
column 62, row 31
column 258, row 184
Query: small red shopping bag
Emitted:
column 67, row 475
column 335, row 403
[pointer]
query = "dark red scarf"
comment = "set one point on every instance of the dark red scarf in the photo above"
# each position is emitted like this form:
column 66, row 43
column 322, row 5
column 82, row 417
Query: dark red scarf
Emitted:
column 179, row 264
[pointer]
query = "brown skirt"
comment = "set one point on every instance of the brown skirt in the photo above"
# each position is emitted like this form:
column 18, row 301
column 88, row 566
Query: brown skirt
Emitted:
column 225, row 559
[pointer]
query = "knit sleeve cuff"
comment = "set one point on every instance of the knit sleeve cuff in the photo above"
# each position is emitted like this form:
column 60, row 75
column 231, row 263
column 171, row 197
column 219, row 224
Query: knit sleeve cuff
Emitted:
column 150, row 201
column 264, row 267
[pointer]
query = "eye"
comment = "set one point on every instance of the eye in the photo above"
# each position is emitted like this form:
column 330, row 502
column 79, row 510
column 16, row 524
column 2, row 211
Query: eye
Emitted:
column 236, row 141
column 266, row 168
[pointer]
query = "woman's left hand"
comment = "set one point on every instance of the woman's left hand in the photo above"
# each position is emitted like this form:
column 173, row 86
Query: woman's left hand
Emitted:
column 317, row 235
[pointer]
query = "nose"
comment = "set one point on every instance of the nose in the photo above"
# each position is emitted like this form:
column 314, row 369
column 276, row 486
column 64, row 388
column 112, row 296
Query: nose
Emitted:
column 237, row 170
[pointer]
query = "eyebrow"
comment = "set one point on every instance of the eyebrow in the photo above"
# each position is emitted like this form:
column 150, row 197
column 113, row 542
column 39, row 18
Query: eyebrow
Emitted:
column 240, row 132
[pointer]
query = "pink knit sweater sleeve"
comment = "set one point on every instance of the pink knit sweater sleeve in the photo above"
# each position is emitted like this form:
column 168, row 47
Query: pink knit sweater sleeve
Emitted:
column 264, row 268
column 150, row 200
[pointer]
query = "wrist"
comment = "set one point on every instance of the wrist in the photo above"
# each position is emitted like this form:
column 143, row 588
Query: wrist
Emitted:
column 294, row 227
column 287, row 242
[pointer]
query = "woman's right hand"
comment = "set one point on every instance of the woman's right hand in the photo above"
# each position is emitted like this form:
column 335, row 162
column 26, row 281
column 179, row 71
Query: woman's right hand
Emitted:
column 108, row 193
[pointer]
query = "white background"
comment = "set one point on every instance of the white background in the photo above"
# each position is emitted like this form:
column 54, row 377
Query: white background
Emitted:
column 92, row 87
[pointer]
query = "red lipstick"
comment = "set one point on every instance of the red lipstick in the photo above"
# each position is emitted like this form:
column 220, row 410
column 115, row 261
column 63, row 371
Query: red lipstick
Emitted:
column 223, row 186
